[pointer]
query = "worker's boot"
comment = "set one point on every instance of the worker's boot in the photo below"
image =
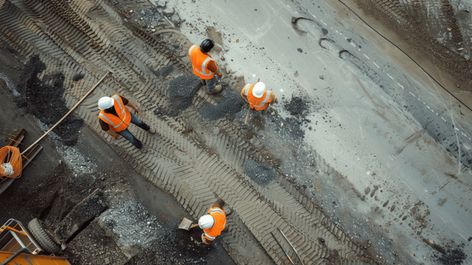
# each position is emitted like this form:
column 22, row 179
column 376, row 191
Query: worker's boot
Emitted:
column 138, row 144
column 218, row 88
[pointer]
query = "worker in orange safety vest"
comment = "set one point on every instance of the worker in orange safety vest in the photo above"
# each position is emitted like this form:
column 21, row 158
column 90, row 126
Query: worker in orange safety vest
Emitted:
column 115, row 117
column 213, row 223
column 258, row 96
column 12, row 163
column 205, row 67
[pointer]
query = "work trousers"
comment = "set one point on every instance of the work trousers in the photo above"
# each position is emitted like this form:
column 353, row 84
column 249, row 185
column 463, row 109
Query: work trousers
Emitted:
column 211, row 84
column 129, row 136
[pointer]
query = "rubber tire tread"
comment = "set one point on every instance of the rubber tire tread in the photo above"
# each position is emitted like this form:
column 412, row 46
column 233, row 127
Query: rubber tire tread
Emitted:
column 42, row 237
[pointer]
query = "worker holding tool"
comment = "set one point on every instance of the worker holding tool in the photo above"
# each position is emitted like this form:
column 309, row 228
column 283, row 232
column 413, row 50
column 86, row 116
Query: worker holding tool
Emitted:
column 115, row 117
column 213, row 223
column 205, row 67
column 258, row 96
column 11, row 165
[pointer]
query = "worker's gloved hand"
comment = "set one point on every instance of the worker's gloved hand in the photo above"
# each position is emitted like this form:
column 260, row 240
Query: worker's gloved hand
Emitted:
column 8, row 168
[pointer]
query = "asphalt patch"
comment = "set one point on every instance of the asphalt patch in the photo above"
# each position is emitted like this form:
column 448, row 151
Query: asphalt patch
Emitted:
column 181, row 92
column 229, row 104
column 297, row 107
column 262, row 174
column 452, row 256
column 44, row 99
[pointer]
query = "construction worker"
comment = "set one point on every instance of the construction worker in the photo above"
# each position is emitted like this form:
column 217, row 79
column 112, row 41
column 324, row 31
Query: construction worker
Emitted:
column 213, row 223
column 258, row 96
column 204, row 66
column 115, row 117
column 11, row 165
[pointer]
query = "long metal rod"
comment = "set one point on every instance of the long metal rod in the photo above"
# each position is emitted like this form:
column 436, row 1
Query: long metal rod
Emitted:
column 67, row 114
column 280, row 245
column 294, row 249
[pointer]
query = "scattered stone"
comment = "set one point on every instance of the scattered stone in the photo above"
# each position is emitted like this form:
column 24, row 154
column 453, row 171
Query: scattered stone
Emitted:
column 297, row 107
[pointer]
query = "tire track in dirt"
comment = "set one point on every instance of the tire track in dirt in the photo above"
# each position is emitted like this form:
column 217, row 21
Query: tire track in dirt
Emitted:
column 178, row 159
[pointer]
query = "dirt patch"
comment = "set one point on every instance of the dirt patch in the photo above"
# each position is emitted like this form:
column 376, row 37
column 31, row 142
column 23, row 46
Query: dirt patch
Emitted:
column 455, row 256
column 44, row 99
column 36, row 200
column 94, row 246
column 451, row 254
column 433, row 27
column 173, row 248
column 420, row 214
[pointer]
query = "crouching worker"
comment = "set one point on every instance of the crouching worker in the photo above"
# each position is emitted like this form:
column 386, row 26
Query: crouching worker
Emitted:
column 213, row 223
column 11, row 163
column 258, row 96
column 115, row 117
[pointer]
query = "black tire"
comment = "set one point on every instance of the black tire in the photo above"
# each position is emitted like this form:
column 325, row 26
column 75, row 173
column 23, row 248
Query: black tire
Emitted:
column 42, row 237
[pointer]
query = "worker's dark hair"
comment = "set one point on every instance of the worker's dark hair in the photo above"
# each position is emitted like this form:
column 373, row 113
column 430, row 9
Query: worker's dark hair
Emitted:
column 207, row 45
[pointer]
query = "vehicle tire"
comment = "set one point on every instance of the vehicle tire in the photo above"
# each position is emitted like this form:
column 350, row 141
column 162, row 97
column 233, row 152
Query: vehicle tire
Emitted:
column 42, row 237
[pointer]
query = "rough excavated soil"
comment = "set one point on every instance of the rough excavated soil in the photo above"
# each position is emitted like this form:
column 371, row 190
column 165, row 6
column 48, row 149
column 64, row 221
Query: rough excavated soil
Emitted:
column 44, row 99
column 62, row 176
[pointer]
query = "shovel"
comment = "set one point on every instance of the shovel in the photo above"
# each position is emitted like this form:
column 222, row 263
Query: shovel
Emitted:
column 185, row 224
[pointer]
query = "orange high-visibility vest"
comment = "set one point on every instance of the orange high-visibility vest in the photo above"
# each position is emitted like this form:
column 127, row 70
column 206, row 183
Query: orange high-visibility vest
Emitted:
column 220, row 222
column 12, row 155
column 117, row 123
column 258, row 104
column 200, row 63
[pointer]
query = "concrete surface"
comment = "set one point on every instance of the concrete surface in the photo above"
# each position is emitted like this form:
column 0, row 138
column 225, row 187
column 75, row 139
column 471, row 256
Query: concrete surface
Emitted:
column 402, row 143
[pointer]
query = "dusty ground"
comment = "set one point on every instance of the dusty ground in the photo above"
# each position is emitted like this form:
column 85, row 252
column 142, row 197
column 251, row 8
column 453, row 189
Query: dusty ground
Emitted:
column 387, row 135
column 362, row 161
column 71, row 166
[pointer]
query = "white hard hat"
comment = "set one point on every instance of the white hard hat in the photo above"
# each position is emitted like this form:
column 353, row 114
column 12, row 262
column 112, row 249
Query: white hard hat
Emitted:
column 206, row 221
column 105, row 103
column 258, row 90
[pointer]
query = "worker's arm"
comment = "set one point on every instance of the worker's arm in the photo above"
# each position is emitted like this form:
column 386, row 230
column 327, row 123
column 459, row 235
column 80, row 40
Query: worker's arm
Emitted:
column 214, row 68
column 113, row 134
column 273, row 98
column 107, row 129
column 206, row 240
column 129, row 104
column 242, row 94
column 193, row 226
column 243, row 91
